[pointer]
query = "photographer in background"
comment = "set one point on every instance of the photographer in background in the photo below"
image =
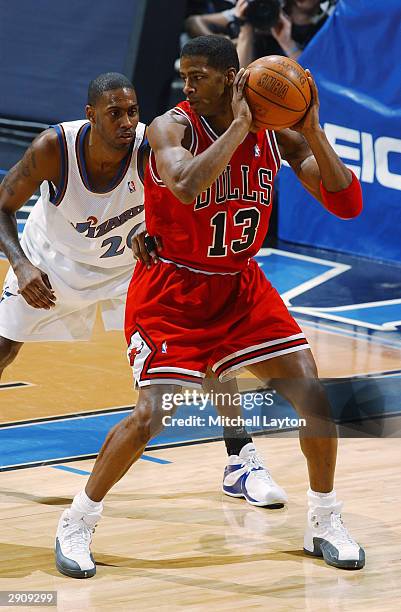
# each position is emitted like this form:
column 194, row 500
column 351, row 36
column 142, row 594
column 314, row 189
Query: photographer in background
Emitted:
column 261, row 14
column 293, row 23
column 246, row 17
column 254, row 21
column 215, row 21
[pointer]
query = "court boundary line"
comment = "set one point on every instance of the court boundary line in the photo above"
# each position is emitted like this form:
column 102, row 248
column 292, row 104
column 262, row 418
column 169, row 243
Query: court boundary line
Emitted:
column 318, row 314
column 347, row 333
column 20, row 384
column 68, row 416
column 73, row 458
column 337, row 268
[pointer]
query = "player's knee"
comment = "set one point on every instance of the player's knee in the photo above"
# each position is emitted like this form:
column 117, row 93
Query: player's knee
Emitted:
column 306, row 367
column 147, row 420
column 310, row 388
column 8, row 351
column 310, row 398
column 141, row 422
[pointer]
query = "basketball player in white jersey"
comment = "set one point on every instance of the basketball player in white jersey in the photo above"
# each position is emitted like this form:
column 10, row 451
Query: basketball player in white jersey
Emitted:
column 75, row 252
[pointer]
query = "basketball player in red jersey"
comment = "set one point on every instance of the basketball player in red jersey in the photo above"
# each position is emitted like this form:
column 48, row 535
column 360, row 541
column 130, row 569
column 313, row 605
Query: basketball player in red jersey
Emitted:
column 208, row 190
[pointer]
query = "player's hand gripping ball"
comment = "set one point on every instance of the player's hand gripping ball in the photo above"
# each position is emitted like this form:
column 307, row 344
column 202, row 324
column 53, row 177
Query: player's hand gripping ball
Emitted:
column 277, row 92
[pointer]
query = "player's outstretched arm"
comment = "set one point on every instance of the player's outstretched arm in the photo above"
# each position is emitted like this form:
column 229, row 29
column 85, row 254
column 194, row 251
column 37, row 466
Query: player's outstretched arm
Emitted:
column 185, row 175
column 40, row 162
column 318, row 166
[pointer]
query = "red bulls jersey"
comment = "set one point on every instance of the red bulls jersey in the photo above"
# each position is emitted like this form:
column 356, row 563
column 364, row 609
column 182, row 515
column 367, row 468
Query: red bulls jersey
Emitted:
column 227, row 223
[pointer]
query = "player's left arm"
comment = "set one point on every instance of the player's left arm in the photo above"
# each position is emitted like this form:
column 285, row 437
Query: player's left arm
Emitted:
column 318, row 166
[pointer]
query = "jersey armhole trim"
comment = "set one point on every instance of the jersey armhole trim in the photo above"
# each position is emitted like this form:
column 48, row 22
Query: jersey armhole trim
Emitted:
column 140, row 156
column 56, row 196
column 194, row 137
column 153, row 172
column 271, row 137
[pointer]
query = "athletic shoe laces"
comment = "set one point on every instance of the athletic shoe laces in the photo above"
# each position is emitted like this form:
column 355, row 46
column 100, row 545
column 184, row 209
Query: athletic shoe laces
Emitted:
column 333, row 522
column 254, row 463
column 78, row 536
column 341, row 531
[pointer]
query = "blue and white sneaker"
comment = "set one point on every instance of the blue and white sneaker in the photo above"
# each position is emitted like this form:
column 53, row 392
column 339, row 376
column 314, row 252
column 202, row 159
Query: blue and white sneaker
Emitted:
column 326, row 536
column 246, row 476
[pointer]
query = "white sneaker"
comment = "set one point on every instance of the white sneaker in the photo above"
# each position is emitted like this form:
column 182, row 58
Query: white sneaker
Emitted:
column 246, row 476
column 72, row 547
column 326, row 536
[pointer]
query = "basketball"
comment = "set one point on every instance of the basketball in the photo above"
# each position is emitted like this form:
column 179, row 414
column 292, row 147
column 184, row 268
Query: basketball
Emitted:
column 277, row 92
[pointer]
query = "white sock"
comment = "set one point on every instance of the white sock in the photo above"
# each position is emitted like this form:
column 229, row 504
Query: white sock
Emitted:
column 315, row 498
column 83, row 506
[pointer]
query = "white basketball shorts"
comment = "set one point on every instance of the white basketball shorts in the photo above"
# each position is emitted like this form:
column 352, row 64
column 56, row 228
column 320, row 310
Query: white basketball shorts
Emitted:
column 79, row 290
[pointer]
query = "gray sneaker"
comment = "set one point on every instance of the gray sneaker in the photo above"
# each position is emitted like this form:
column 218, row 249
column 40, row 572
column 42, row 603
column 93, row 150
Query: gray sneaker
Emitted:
column 72, row 547
column 326, row 536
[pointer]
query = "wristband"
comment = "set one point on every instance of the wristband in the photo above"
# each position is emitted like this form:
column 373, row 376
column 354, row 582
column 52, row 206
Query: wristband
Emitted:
column 345, row 204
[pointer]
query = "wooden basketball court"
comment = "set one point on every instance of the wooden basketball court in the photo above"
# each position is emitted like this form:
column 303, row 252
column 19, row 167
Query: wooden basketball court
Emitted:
column 169, row 537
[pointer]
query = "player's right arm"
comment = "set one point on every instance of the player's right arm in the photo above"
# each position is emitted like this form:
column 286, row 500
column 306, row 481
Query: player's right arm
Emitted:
column 40, row 162
column 184, row 174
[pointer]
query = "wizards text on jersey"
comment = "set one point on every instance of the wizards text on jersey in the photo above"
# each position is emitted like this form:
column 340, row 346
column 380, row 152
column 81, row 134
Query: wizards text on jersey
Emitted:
column 92, row 229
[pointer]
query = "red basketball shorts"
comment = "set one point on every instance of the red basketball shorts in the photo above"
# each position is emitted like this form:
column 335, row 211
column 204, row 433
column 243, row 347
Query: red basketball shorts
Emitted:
column 178, row 322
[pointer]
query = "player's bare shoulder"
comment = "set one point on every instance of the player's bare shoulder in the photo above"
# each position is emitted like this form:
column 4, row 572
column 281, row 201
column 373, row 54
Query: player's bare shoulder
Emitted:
column 40, row 162
column 171, row 128
column 46, row 149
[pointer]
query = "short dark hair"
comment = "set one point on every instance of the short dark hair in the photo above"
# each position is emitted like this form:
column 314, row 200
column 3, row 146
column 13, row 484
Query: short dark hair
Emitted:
column 106, row 82
column 219, row 51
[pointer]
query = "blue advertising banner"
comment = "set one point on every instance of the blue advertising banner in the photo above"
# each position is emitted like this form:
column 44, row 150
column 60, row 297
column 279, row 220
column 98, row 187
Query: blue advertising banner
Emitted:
column 354, row 60
column 51, row 50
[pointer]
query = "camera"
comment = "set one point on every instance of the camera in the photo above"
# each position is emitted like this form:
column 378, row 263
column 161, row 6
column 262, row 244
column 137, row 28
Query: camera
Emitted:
column 263, row 14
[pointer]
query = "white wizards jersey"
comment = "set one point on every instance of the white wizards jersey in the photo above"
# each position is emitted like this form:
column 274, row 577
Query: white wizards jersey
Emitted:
column 87, row 226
